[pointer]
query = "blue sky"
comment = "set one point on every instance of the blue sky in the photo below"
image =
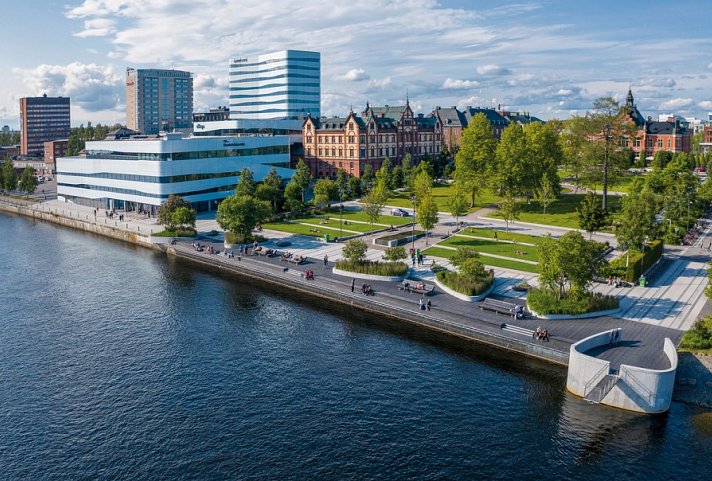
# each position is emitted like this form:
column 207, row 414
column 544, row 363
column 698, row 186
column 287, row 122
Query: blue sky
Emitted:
column 551, row 58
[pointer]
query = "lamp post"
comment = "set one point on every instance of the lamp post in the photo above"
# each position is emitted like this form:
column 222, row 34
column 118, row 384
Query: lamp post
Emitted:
column 341, row 215
column 412, row 237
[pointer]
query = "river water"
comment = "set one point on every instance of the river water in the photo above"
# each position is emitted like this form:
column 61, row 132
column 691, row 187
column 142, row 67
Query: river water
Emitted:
column 119, row 363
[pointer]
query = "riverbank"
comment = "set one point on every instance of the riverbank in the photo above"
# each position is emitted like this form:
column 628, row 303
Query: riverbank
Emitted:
column 694, row 379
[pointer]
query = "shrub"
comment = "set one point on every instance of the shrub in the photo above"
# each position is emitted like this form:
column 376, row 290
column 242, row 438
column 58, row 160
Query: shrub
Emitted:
column 373, row 267
column 545, row 301
column 231, row 238
column 631, row 273
column 176, row 233
column 395, row 253
column 470, row 286
column 355, row 250
column 699, row 337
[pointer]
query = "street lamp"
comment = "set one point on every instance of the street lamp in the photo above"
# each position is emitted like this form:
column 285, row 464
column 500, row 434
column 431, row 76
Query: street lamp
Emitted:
column 412, row 199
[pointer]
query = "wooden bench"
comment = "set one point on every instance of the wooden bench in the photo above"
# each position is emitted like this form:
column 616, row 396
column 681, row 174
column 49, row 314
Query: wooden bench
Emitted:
column 500, row 307
column 410, row 287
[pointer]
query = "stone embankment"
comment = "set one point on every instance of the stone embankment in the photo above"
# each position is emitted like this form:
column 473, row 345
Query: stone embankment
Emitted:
column 694, row 379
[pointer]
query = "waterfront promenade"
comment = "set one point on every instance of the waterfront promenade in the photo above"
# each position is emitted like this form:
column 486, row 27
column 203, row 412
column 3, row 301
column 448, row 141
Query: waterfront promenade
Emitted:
column 448, row 313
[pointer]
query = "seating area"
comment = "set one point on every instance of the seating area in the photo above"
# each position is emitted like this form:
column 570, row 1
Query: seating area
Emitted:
column 416, row 287
column 261, row 251
column 500, row 307
column 293, row 258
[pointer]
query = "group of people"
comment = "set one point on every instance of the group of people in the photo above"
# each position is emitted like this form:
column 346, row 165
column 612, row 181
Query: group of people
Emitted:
column 541, row 334
column 416, row 257
column 418, row 286
column 309, row 275
column 425, row 305
column 367, row 289
column 616, row 282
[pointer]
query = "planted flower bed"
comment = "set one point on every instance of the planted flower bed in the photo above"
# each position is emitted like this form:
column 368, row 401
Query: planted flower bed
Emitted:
column 545, row 302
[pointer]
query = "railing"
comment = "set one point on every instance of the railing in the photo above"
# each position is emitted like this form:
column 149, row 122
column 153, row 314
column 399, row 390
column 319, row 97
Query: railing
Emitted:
column 603, row 372
column 637, row 385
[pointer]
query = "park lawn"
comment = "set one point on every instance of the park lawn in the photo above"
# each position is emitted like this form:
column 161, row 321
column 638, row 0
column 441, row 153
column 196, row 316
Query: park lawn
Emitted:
column 327, row 227
column 487, row 261
column 493, row 247
column 502, row 235
column 359, row 215
column 442, row 194
column 562, row 212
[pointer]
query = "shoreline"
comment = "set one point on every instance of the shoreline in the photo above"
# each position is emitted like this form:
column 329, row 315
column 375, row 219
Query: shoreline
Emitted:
column 265, row 272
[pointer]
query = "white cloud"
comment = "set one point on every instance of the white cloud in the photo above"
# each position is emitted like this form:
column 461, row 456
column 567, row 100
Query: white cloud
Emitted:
column 355, row 75
column 380, row 83
column 676, row 103
column 492, row 69
column 709, row 66
column 705, row 104
column 454, row 84
column 97, row 27
column 91, row 87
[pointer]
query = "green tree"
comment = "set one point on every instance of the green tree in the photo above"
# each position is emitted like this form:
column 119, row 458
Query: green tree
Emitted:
column 384, row 176
column 9, row 177
column 355, row 186
column 373, row 202
column 28, row 180
column 591, row 215
column 395, row 253
column 637, row 221
column 466, row 259
column 342, row 182
column 355, row 250
column 239, row 214
column 367, row 178
column 545, row 194
column 544, row 157
column 475, row 156
column 302, row 178
column 457, row 203
column 183, row 217
column 569, row 261
column 508, row 176
column 422, row 185
column 407, row 171
column 661, row 159
column 166, row 210
column 427, row 214
column 325, row 191
column 247, row 184
column 293, row 197
column 271, row 190
column 509, row 209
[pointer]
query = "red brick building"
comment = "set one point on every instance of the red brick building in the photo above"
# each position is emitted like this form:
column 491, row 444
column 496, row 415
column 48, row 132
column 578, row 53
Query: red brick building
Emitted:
column 354, row 141
column 52, row 150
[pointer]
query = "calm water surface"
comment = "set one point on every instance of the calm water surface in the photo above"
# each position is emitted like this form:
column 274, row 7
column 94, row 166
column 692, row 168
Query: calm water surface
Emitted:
column 118, row 363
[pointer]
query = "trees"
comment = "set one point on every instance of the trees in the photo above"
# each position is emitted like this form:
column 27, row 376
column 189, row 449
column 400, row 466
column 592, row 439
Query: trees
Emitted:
column 407, row 171
column 509, row 209
column 293, row 197
column 544, row 157
column 239, row 214
column 325, row 191
column 183, row 217
column 422, row 185
column 367, row 177
column 427, row 214
column 342, row 182
column 661, row 159
column 355, row 250
column 384, row 176
column 395, row 253
column 475, row 156
column 569, row 261
column 373, row 202
column 302, row 179
column 28, row 180
column 467, row 262
column 457, row 203
column 247, row 184
column 168, row 208
column 637, row 220
column 508, row 175
column 9, row 178
column 545, row 194
column 591, row 215
column 271, row 190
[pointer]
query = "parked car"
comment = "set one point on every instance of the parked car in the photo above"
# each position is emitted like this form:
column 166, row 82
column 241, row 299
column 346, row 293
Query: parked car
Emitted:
column 400, row 212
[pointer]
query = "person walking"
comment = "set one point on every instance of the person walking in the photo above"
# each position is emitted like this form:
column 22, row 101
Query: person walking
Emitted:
column 326, row 260
column 429, row 304
column 422, row 303
column 353, row 285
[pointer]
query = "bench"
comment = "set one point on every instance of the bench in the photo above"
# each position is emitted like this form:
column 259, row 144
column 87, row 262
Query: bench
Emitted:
column 410, row 287
column 500, row 307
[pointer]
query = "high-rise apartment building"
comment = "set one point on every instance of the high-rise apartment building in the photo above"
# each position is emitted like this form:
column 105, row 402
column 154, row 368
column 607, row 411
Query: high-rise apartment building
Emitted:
column 42, row 119
column 279, row 85
column 158, row 100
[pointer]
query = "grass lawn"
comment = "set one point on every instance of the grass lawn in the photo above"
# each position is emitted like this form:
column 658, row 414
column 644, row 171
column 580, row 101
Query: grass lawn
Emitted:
column 488, row 261
column 505, row 249
column 441, row 194
column 333, row 225
column 501, row 235
column 621, row 183
column 386, row 220
column 562, row 212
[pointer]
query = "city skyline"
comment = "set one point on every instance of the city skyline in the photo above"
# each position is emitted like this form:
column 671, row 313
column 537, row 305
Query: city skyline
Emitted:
column 549, row 58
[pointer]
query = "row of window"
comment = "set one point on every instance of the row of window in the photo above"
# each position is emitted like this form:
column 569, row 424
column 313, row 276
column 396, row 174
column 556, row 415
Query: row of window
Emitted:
column 277, row 93
column 382, row 151
column 201, row 154
column 239, row 70
column 275, row 60
column 273, row 102
column 117, row 190
column 172, row 179
column 286, row 75
column 277, row 85
column 406, row 137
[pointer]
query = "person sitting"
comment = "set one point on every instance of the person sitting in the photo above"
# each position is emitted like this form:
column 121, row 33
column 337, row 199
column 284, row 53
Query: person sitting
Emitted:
column 406, row 286
column 518, row 311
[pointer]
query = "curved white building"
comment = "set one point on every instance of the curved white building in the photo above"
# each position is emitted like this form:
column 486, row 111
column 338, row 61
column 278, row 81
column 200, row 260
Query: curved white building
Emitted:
column 279, row 85
column 140, row 173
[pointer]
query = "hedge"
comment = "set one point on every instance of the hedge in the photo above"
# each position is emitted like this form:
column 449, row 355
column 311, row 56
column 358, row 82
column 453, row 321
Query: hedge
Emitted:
column 634, row 269
column 176, row 233
column 545, row 301
column 699, row 337
column 402, row 235
column 374, row 268
column 465, row 285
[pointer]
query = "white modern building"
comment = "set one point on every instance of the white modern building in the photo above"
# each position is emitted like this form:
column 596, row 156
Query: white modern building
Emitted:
column 279, row 85
column 140, row 173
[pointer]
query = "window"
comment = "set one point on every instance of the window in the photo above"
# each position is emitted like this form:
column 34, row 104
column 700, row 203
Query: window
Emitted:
column 351, row 152
column 372, row 139
column 373, row 152
column 637, row 142
column 341, row 152
column 309, row 139
column 351, row 125
column 660, row 143
column 363, row 152
column 333, row 139
column 351, row 139
column 319, row 151
column 380, row 152
column 363, row 139
column 669, row 143
column 308, row 126
column 333, row 152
